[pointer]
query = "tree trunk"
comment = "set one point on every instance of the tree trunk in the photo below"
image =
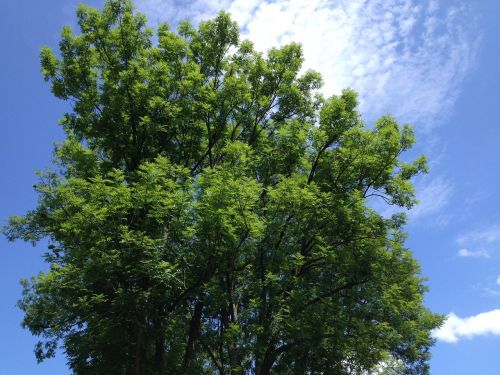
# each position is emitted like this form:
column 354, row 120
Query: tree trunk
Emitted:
column 234, row 358
column 194, row 332
column 268, row 361
column 140, row 361
column 159, row 356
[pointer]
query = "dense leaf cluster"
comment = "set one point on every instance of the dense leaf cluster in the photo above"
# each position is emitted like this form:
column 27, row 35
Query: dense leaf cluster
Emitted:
column 208, row 213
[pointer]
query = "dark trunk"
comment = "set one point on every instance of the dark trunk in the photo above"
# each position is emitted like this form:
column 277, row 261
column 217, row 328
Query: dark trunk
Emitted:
column 268, row 361
column 159, row 356
column 194, row 332
column 234, row 360
column 140, row 360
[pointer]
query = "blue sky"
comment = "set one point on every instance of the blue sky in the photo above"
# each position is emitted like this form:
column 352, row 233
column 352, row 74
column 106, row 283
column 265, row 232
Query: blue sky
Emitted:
column 435, row 64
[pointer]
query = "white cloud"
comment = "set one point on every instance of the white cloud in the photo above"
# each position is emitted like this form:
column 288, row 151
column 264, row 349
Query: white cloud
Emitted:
column 455, row 328
column 482, row 241
column 485, row 235
column 473, row 254
column 405, row 57
column 498, row 280
column 433, row 196
column 173, row 11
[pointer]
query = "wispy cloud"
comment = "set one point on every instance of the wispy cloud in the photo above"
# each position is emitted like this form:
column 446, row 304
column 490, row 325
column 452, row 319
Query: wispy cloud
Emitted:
column 173, row 11
column 433, row 196
column 455, row 328
column 490, row 287
column 405, row 57
column 486, row 235
column 482, row 242
column 473, row 254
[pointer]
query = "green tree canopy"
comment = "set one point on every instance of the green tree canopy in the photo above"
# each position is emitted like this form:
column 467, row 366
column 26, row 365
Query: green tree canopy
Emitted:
column 207, row 213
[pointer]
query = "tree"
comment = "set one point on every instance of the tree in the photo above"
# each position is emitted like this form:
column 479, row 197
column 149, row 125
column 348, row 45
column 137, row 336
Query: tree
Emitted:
column 208, row 212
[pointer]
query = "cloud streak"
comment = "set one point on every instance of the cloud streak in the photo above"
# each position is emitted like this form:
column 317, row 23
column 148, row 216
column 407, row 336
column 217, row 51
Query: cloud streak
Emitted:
column 404, row 57
column 433, row 196
column 486, row 235
column 455, row 328
column 481, row 241
column 472, row 254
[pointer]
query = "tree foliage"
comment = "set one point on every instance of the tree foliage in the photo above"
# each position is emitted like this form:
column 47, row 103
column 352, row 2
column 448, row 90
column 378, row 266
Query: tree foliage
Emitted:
column 208, row 212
